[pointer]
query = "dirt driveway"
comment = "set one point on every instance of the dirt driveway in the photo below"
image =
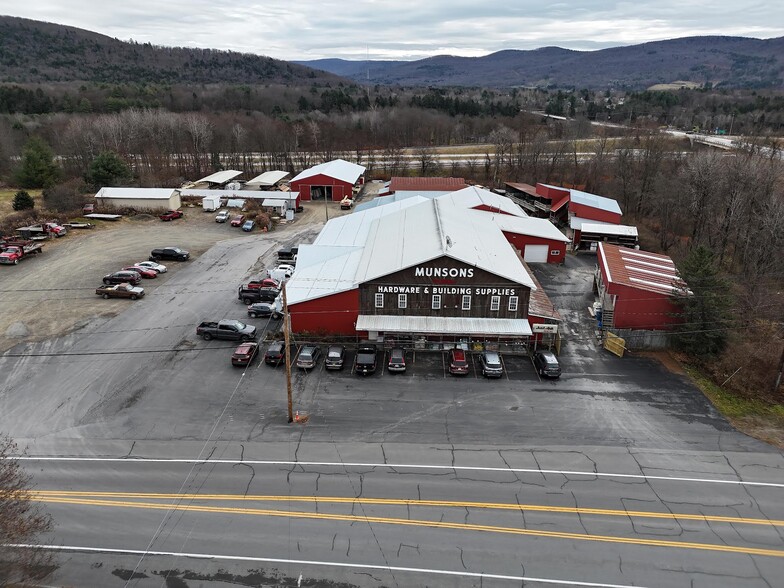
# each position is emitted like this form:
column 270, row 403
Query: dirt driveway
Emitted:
column 54, row 293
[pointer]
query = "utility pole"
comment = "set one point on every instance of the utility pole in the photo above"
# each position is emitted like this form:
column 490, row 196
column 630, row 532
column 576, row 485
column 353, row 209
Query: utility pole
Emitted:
column 288, row 352
column 781, row 372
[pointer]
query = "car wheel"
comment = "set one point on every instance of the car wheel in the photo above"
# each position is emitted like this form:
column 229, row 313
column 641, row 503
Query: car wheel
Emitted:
column 247, row 301
column 252, row 314
column 244, row 338
column 207, row 336
column 134, row 297
column 107, row 282
column 105, row 296
column 16, row 262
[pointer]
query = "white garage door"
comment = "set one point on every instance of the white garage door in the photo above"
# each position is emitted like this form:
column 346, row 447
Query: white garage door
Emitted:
column 535, row 253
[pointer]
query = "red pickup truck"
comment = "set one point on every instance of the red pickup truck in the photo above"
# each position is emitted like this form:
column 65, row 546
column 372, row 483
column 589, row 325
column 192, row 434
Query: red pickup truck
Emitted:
column 170, row 215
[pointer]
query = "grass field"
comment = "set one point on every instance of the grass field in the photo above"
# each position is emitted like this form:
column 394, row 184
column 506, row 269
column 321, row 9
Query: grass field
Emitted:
column 7, row 199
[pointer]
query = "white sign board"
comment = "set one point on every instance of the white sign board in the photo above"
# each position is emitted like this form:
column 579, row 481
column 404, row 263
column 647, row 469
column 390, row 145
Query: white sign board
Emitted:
column 542, row 328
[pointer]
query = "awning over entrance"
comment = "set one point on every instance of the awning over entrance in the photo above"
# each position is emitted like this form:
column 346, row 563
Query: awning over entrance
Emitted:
column 447, row 325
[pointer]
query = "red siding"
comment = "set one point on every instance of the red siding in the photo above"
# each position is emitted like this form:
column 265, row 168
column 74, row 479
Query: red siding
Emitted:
column 520, row 241
column 336, row 314
column 552, row 193
column 592, row 213
column 642, row 309
column 339, row 189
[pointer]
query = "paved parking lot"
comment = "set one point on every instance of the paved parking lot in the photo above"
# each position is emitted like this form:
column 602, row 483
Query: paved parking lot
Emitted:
column 144, row 374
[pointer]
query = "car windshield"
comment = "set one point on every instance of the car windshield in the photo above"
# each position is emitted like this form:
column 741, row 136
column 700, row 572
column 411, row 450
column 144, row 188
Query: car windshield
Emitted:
column 334, row 352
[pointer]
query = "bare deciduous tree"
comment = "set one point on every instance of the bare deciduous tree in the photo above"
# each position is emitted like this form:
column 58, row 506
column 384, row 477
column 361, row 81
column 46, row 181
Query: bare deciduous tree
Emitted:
column 22, row 522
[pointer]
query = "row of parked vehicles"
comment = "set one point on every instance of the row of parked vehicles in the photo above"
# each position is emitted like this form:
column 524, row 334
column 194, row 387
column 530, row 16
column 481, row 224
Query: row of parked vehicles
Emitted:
column 238, row 220
column 366, row 363
column 125, row 282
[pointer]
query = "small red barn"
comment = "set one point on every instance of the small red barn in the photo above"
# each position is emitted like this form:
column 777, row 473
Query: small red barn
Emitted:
column 334, row 180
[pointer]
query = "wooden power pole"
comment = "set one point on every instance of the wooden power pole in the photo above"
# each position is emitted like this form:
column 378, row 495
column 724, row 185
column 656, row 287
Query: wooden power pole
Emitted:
column 288, row 352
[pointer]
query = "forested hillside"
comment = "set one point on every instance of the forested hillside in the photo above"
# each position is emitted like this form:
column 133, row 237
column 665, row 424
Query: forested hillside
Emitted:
column 35, row 52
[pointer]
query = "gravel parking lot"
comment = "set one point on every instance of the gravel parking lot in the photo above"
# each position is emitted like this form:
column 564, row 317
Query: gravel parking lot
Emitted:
column 53, row 293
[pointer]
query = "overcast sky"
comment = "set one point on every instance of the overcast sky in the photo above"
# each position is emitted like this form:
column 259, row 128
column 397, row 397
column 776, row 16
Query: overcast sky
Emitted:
column 404, row 29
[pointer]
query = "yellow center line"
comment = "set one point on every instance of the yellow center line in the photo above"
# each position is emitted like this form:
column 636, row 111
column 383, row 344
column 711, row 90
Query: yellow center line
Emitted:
column 45, row 494
column 422, row 523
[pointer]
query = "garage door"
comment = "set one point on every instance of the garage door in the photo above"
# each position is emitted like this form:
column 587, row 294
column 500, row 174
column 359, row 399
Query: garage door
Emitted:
column 535, row 253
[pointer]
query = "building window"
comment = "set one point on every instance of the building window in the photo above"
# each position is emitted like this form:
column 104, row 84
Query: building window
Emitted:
column 513, row 303
column 379, row 301
column 466, row 302
column 495, row 302
column 402, row 300
column 436, row 302
column 555, row 252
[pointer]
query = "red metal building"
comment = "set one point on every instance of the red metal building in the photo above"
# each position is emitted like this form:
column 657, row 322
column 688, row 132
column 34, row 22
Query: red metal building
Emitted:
column 636, row 288
column 334, row 180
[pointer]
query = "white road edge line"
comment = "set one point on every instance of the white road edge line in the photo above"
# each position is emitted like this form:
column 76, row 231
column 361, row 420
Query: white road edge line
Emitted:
column 482, row 575
column 399, row 466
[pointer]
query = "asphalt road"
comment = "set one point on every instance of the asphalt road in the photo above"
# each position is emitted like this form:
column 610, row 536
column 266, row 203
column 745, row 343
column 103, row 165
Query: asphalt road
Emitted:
column 141, row 387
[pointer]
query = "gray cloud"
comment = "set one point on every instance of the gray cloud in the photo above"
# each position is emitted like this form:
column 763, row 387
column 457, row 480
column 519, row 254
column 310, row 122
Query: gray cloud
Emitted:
column 405, row 29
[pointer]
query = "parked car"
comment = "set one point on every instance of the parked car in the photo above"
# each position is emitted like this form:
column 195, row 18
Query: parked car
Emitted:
column 365, row 363
column 276, row 353
column 336, row 355
column 346, row 204
column 237, row 220
column 245, row 353
column 288, row 254
column 174, row 253
column 397, row 360
column 88, row 208
column 120, row 291
column 262, row 283
column 248, row 225
column 458, row 363
column 281, row 273
column 122, row 278
column 222, row 216
column 144, row 272
column 308, row 357
column 160, row 268
column 491, row 364
column 263, row 309
column 170, row 215
column 229, row 329
column 546, row 364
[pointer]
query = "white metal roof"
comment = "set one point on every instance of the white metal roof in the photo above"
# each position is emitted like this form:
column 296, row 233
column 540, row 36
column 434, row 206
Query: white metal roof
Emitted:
column 609, row 229
column 204, row 192
column 577, row 222
column 140, row 193
column 472, row 197
column 273, row 202
column 340, row 169
column 436, row 228
column 220, row 177
column 594, row 201
column 443, row 324
column 534, row 227
column 323, row 271
column 268, row 178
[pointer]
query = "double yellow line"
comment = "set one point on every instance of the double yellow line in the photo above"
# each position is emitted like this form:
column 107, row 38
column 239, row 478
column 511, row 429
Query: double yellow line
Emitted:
column 184, row 502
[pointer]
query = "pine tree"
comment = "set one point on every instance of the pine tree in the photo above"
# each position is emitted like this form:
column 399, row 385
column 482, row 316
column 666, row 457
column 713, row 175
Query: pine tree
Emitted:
column 705, row 304
column 38, row 168
column 23, row 201
column 107, row 169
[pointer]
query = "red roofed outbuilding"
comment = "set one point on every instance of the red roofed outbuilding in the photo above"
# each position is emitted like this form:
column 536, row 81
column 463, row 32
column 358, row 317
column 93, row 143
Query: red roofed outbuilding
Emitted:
column 636, row 288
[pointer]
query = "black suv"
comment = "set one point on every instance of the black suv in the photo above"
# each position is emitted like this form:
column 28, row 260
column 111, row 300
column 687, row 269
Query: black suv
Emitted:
column 276, row 353
column 122, row 278
column 251, row 295
column 288, row 254
column 365, row 363
column 171, row 253
column 546, row 364
column 336, row 355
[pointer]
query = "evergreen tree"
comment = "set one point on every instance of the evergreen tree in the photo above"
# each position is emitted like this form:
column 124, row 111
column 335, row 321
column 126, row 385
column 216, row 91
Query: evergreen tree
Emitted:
column 38, row 168
column 705, row 303
column 107, row 169
column 23, row 201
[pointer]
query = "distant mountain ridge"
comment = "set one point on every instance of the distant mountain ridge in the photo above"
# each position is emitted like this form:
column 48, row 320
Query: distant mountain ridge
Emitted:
column 35, row 52
column 733, row 62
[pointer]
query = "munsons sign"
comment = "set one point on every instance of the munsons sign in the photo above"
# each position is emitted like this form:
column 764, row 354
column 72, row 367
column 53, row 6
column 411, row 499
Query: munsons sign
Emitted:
column 443, row 272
